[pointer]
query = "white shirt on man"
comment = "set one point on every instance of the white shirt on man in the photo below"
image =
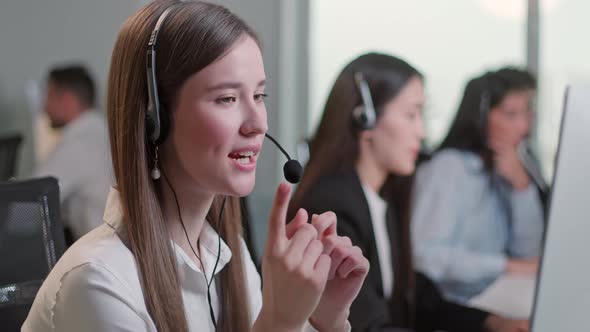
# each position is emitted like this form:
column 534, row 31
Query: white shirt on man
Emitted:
column 95, row 286
column 81, row 162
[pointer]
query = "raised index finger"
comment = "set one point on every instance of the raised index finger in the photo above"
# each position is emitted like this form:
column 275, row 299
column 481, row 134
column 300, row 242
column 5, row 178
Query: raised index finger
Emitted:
column 278, row 214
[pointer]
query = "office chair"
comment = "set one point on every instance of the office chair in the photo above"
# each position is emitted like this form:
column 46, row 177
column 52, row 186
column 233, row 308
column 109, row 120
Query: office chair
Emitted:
column 31, row 242
column 9, row 147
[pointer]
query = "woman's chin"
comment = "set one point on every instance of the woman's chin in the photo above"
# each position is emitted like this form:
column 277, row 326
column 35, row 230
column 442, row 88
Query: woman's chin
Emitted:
column 405, row 170
column 241, row 188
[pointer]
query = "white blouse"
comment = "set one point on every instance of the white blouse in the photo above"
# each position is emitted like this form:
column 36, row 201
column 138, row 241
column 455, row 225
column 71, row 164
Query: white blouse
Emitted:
column 95, row 286
column 378, row 211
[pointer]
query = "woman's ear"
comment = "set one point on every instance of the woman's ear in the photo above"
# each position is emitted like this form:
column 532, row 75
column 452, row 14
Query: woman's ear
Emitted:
column 366, row 135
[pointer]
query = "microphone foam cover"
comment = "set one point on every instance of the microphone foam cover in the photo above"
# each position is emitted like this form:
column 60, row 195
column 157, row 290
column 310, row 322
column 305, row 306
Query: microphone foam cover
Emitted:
column 292, row 171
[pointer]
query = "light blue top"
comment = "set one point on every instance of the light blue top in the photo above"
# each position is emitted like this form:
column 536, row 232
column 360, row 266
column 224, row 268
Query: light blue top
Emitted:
column 466, row 223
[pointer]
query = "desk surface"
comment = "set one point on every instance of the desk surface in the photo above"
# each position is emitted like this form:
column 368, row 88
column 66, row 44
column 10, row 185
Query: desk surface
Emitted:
column 509, row 296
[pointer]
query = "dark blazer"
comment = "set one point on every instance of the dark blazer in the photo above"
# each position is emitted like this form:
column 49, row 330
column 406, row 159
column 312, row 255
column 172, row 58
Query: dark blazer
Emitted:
column 422, row 308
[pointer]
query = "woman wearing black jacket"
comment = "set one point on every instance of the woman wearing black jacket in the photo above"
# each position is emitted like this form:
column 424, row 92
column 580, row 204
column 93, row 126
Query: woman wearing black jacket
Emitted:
column 361, row 158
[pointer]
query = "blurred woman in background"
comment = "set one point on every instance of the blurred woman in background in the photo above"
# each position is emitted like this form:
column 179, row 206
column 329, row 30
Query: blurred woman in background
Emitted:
column 477, row 206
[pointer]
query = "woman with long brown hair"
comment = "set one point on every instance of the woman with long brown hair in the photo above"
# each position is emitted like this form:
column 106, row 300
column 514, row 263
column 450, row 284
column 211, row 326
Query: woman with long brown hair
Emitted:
column 361, row 158
column 184, row 142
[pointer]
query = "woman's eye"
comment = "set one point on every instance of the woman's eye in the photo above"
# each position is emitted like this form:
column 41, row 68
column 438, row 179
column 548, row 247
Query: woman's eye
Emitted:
column 260, row 96
column 511, row 114
column 226, row 100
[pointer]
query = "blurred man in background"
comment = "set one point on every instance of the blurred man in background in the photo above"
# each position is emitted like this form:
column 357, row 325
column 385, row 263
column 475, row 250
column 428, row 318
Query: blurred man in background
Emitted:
column 81, row 159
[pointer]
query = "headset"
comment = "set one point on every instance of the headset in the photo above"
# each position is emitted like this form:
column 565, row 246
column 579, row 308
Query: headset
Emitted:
column 364, row 115
column 156, row 124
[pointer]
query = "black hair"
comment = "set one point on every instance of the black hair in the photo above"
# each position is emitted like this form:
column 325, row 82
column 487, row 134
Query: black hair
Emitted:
column 77, row 79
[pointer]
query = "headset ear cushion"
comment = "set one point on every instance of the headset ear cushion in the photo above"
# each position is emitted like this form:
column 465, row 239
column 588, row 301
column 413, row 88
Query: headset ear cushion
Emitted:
column 149, row 125
column 359, row 117
column 364, row 121
column 164, row 126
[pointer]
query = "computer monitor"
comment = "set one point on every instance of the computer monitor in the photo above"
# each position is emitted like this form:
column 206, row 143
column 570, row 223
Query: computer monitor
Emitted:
column 562, row 300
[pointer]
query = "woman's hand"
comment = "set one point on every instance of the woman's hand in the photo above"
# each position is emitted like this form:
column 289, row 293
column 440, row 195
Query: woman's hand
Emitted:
column 348, row 270
column 523, row 267
column 500, row 324
column 294, row 270
column 508, row 164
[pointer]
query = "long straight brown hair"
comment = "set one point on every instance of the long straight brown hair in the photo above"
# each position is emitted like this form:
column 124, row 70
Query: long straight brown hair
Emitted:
column 335, row 146
column 193, row 36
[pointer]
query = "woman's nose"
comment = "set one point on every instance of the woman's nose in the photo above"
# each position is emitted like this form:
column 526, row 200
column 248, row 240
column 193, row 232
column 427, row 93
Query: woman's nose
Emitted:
column 255, row 122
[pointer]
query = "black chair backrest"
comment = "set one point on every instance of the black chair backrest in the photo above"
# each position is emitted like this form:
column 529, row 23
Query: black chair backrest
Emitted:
column 31, row 242
column 9, row 147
